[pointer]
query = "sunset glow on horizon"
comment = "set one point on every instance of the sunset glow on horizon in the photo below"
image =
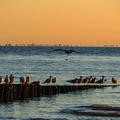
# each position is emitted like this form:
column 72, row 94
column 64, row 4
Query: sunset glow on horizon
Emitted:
column 76, row 22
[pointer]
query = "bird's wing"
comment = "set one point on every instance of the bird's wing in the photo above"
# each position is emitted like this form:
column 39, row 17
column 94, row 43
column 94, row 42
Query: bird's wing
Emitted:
column 72, row 80
column 74, row 51
column 46, row 81
column 58, row 50
column 68, row 81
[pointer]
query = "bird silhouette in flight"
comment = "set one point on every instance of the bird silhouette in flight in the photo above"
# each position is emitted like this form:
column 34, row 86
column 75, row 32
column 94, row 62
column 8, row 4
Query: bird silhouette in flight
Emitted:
column 67, row 51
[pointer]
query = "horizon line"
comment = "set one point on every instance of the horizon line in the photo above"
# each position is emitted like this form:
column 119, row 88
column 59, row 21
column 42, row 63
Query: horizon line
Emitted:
column 58, row 45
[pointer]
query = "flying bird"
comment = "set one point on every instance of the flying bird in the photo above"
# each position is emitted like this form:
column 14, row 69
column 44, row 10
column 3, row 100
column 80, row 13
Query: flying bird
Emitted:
column 67, row 51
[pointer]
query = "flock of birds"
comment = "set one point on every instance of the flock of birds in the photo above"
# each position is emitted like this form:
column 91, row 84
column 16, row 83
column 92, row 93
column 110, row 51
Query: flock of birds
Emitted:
column 90, row 79
column 11, row 79
column 25, row 80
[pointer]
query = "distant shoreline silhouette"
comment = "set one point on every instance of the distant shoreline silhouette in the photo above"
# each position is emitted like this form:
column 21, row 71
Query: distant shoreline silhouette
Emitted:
column 57, row 45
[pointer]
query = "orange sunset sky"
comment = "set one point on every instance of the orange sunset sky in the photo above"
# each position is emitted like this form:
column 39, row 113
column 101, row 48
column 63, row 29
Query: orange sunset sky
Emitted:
column 76, row 22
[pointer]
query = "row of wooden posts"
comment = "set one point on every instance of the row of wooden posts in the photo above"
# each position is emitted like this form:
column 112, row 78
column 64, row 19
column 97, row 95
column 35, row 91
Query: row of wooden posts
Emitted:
column 12, row 92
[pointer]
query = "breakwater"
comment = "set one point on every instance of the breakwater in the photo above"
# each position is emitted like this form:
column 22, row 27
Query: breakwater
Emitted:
column 12, row 92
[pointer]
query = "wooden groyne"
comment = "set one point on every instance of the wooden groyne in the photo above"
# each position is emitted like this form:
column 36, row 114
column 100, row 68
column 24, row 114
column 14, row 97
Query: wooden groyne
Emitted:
column 12, row 92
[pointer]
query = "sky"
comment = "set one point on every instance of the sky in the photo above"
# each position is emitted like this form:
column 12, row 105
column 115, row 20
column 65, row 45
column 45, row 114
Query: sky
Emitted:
column 66, row 22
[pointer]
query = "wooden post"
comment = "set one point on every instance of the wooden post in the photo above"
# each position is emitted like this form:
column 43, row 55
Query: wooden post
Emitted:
column 31, row 90
column 63, row 89
column 58, row 88
column 11, row 91
column 39, row 90
column 55, row 89
column 35, row 90
column 70, row 88
column 14, row 92
column 48, row 90
column 1, row 92
column 75, row 88
column 67, row 88
column 51, row 90
column 6, row 93
column 19, row 91
column 25, row 91
column 43, row 90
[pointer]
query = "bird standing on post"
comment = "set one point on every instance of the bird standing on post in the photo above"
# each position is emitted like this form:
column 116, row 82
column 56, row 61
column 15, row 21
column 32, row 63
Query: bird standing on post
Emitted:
column 114, row 81
column 90, row 78
column 73, row 81
column 80, row 79
column 103, row 80
column 85, row 80
column 12, row 79
column 54, row 80
column 7, row 79
column 49, row 80
column 93, row 80
column 28, row 79
column 1, row 79
column 22, row 80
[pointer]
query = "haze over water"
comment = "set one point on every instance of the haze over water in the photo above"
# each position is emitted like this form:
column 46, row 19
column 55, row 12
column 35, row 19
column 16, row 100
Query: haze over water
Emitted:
column 41, row 62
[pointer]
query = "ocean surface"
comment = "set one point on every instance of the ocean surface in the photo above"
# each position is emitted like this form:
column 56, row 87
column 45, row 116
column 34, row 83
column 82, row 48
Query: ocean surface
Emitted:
column 42, row 62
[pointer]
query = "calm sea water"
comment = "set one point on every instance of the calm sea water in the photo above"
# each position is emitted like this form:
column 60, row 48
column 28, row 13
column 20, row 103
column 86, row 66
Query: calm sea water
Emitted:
column 41, row 62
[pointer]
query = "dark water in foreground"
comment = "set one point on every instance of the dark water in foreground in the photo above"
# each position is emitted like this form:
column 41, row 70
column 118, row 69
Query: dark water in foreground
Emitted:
column 41, row 62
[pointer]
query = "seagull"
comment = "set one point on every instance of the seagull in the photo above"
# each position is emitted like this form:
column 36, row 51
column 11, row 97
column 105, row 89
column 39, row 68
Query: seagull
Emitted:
column 73, row 81
column 22, row 80
column 54, row 80
column 7, row 79
column 103, row 80
column 67, row 51
column 85, row 80
column 49, row 80
column 90, row 79
column 114, row 81
column 80, row 79
column 28, row 79
column 1, row 79
column 93, row 80
column 12, row 79
column 36, row 82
